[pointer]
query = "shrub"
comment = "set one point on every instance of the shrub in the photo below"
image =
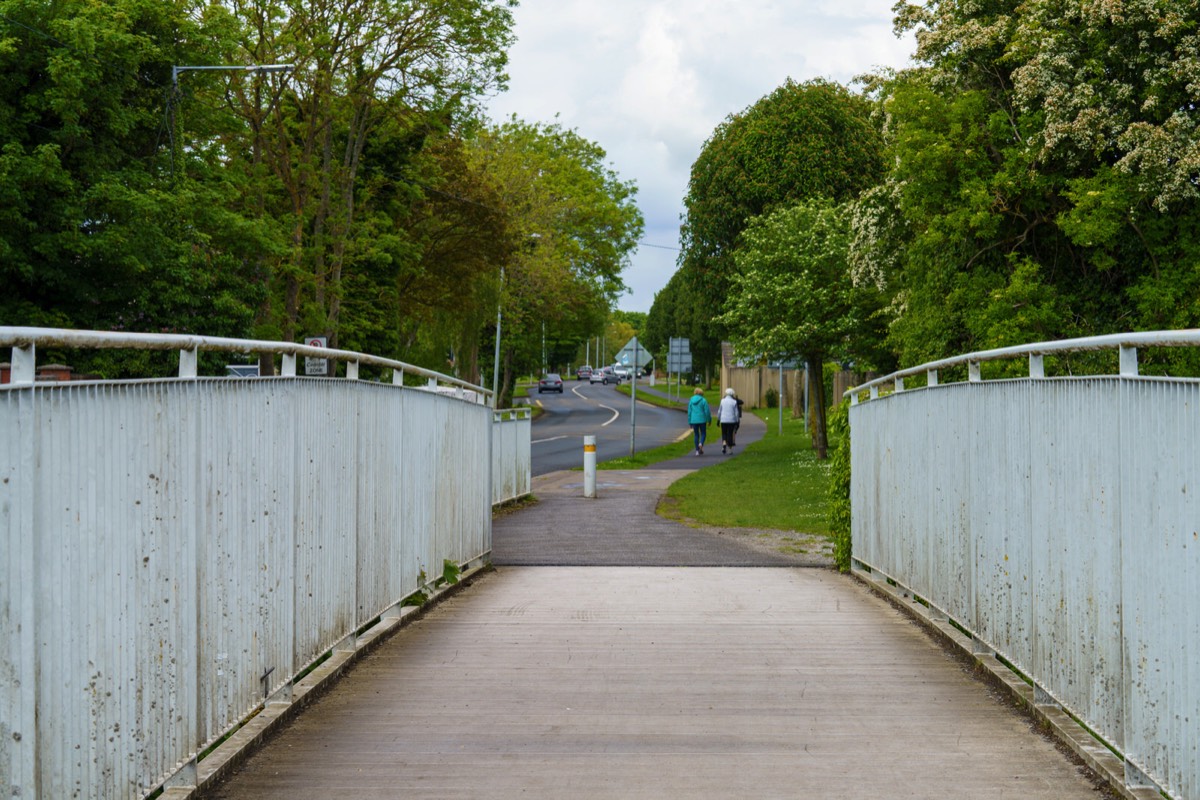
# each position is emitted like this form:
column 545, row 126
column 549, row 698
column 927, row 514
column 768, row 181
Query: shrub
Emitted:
column 839, row 484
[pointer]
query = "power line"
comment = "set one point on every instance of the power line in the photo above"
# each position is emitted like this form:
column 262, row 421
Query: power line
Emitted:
column 659, row 246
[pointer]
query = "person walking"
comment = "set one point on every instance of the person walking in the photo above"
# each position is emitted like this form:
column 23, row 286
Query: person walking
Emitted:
column 699, row 415
column 728, row 414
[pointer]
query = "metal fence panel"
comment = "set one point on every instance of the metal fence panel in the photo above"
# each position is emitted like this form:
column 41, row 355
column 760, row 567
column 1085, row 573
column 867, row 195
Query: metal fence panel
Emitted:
column 998, row 523
column 1075, row 474
column 175, row 550
column 512, row 458
column 18, row 593
column 1056, row 520
column 1160, row 560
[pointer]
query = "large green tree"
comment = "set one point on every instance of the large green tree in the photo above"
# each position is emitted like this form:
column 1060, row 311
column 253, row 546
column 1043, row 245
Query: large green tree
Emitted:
column 356, row 66
column 572, row 224
column 792, row 295
column 1045, row 173
column 802, row 141
column 97, row 230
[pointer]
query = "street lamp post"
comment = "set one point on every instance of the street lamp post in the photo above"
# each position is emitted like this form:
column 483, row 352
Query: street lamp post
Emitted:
column 496, row 362
column 179, row 68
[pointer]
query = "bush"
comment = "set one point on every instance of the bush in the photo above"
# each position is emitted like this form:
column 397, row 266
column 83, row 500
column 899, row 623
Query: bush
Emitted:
column 839, row 484
column 772, row 398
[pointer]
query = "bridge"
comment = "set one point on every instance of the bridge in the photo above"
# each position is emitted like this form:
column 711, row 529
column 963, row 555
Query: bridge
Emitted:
column 187, row 559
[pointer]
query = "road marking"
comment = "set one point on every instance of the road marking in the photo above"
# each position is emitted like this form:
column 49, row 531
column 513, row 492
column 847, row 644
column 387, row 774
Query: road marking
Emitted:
column 611, row 420
column 551, row 439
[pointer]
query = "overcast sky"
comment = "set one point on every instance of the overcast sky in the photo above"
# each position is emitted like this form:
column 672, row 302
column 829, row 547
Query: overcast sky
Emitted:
column 649, row 80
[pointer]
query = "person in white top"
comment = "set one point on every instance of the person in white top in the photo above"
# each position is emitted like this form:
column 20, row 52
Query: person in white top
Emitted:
column 728, row 413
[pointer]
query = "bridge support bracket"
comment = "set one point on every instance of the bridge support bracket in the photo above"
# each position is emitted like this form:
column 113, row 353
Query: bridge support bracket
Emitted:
column 186, row 777
column 1043, row 698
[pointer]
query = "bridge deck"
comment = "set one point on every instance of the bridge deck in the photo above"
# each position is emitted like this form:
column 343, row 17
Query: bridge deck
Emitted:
column 653, row 682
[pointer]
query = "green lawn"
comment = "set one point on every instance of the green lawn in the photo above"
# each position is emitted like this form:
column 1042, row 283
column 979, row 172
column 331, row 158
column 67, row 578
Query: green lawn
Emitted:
column 648, row 458
column 776, row 483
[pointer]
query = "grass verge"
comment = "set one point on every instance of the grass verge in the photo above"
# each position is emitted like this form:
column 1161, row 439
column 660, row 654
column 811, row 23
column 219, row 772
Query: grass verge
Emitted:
column 657, row 400
column 776, row 483
column 648, row 458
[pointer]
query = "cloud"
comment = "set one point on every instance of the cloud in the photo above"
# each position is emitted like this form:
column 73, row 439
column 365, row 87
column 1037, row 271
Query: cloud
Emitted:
column 649, row 81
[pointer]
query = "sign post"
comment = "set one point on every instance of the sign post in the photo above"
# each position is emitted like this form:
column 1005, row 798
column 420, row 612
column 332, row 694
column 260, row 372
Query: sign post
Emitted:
column 679, row 361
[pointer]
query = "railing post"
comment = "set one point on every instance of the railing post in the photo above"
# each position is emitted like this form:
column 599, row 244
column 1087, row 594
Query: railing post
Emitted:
column 973, row 374
column 24, row 364
column 1129, row 362
column 931, row 377
column 351, row 370
column 189, row 363
column 899, row 385
column 397, row 377
column 288, row 368
column 1037, row 367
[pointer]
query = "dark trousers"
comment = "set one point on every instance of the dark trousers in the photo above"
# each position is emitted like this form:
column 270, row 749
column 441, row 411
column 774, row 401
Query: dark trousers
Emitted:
column 728, row 429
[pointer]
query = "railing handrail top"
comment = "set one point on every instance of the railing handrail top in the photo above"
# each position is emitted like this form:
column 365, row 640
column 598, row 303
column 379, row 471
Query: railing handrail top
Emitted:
column 66, row 337
column 1179, row 338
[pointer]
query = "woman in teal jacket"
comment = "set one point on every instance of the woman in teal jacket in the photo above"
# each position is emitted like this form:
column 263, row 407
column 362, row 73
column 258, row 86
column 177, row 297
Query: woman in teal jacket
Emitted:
column 699, row 415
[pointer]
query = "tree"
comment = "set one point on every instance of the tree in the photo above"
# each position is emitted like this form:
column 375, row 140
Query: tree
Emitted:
column 792, row 295
column 804, row 140
column 1044, row 180
column 357, row 65
column 572, row 225
column 95, row 229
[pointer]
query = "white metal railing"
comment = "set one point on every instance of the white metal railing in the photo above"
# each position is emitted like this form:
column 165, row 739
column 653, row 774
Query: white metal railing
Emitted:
column 512, row 454
column 24, row 343
column 1055, row 520
column 174, row 553
column 1125, row 343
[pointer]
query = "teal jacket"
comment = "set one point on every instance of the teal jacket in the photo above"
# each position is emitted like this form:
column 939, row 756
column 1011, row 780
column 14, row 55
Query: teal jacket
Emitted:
column 698, row 411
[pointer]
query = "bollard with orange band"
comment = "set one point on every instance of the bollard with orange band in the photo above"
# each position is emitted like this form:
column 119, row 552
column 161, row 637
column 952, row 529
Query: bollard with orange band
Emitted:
column 589, row 466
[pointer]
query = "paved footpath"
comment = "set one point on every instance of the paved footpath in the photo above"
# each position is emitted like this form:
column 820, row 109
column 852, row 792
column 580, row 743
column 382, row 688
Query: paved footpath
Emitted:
column 662, row 681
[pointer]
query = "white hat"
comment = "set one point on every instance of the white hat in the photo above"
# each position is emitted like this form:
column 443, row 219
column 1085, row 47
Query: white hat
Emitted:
column 729, row 392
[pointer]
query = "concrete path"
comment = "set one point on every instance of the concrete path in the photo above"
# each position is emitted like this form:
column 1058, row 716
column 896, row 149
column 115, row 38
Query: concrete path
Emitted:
column 646, row 678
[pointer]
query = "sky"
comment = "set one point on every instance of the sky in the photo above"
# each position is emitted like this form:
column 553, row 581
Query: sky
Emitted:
column 649, row 80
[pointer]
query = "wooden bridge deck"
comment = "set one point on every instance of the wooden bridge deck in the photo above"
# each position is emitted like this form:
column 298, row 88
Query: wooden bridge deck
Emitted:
column 660, row 682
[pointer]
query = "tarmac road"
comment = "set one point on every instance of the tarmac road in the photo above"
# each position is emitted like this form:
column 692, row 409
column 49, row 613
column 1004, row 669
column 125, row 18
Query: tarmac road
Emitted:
column 585, row 409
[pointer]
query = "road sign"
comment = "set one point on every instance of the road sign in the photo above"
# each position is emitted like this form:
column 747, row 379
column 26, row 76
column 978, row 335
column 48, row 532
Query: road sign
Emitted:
column 634, row 354
column 315, row 366
column 679, row 356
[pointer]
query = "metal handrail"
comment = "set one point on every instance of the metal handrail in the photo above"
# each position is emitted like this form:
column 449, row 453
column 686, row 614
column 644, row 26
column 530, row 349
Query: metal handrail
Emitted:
column 24, row 342
column 1126, row 343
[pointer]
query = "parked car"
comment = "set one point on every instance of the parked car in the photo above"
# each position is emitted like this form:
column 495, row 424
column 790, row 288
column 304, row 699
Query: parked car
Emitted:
column 583, row 373
column 621, row 372
column 604, row 375
column 550, row 382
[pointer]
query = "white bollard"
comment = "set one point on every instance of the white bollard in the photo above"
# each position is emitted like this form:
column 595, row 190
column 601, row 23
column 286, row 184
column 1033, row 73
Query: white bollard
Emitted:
column 589, row 466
